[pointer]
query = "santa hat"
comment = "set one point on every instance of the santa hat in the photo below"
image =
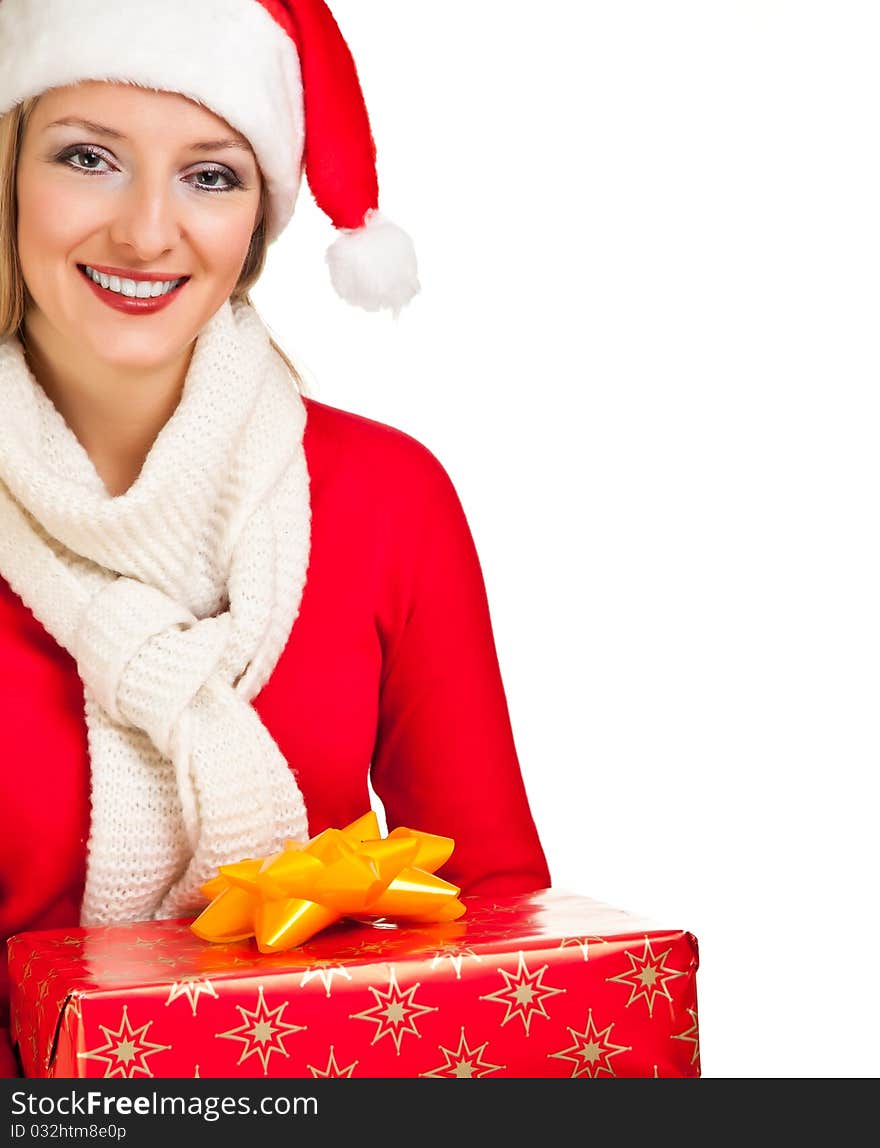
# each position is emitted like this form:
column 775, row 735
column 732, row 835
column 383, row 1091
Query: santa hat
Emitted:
column 278, row 71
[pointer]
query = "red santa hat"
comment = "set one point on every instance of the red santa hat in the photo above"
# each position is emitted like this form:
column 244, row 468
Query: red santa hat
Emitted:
column 278, row 71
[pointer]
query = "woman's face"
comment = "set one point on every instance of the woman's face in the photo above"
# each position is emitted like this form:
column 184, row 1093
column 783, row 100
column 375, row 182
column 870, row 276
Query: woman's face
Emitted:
column 157, row 187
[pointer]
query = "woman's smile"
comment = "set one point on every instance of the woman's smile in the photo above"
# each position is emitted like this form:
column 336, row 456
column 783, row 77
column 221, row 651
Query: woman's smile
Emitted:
column 132, row 296
column 143, row 284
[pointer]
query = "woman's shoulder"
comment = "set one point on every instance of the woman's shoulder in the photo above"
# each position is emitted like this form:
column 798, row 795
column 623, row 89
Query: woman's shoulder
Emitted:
column 341, row 444
column 333, row 426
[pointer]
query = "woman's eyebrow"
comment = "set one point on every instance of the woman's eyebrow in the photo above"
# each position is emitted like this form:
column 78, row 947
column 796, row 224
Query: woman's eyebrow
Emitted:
column 102, row 129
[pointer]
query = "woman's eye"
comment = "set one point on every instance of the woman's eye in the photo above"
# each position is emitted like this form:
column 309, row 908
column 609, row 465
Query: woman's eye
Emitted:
column 216, row 179
column 232, row 181
column 81, row 151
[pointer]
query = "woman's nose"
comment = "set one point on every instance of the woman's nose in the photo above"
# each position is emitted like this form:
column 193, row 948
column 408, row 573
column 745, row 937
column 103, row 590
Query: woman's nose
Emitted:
column 146, row 216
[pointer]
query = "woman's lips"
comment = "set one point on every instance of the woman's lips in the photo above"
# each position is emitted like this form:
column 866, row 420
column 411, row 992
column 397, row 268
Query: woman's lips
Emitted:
column 128, row 305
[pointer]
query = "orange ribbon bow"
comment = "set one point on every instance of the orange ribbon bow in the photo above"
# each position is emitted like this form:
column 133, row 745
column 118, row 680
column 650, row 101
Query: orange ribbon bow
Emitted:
column 285, row 899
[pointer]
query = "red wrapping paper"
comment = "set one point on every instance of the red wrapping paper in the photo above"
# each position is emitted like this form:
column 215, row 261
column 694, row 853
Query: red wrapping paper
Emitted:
column 548, row 984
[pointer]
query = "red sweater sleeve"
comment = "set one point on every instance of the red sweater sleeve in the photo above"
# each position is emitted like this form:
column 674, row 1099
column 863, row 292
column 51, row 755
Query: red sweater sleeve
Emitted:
column 445, row 759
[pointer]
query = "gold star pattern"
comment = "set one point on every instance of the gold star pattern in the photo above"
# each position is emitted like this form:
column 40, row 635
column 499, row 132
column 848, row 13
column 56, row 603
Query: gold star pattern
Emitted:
column 26, row 974
column 146, row 943
column 262, row 1031
column 513, row 906
column 125, row 1049
column 394, row 1012
column 455, row 954
column 691, row 1033
column 647, row 977
column 378, row 947
column 591, row 1050
column 172, row 962
column 66, row 943
column 464, row 1063
column 583, row 943
column 218, row 957
column 42, row 994
column 192, row 987
column 524, row 994
column 333, row 1070
column 326, row 970
column 35, row 1053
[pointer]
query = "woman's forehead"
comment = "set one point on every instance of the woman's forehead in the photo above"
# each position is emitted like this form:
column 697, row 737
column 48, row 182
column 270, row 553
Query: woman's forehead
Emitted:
column 132, row 109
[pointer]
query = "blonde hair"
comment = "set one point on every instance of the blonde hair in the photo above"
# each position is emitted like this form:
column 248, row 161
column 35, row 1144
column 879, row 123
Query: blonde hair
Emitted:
column 14, row 295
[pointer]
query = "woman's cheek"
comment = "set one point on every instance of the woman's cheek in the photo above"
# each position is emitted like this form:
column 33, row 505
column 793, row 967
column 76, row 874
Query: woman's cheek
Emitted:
column 223, row 231
column 57, row 209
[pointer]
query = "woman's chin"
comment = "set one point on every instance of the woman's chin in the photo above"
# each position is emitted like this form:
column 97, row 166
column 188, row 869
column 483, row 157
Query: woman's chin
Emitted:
column 137, row 353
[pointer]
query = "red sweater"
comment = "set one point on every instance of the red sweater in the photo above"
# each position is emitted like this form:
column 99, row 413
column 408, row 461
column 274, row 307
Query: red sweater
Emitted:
column 390, row 671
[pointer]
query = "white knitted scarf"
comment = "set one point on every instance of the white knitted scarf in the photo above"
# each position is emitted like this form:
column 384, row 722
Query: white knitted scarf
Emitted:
column 176, row 600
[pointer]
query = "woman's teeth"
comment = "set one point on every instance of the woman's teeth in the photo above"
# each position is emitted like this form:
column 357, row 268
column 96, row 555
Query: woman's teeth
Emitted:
column 132, row 288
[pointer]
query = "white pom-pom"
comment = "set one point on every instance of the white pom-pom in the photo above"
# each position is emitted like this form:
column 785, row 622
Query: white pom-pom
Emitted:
column 375, row 266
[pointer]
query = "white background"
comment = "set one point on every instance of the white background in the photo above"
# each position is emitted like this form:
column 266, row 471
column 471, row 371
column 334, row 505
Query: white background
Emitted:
column 646, row 353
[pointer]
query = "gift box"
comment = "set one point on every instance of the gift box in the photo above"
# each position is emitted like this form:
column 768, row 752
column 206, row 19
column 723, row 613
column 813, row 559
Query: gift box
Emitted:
column 548, row 984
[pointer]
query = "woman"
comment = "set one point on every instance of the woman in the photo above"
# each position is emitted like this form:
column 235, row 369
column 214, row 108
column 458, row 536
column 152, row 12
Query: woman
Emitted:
column 223, row 605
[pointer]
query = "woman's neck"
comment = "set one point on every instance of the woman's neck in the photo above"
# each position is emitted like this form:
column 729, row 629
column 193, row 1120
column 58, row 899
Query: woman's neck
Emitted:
column 115, row 414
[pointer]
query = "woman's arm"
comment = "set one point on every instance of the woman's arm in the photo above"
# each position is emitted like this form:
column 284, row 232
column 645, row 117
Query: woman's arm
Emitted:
column 445, row 759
